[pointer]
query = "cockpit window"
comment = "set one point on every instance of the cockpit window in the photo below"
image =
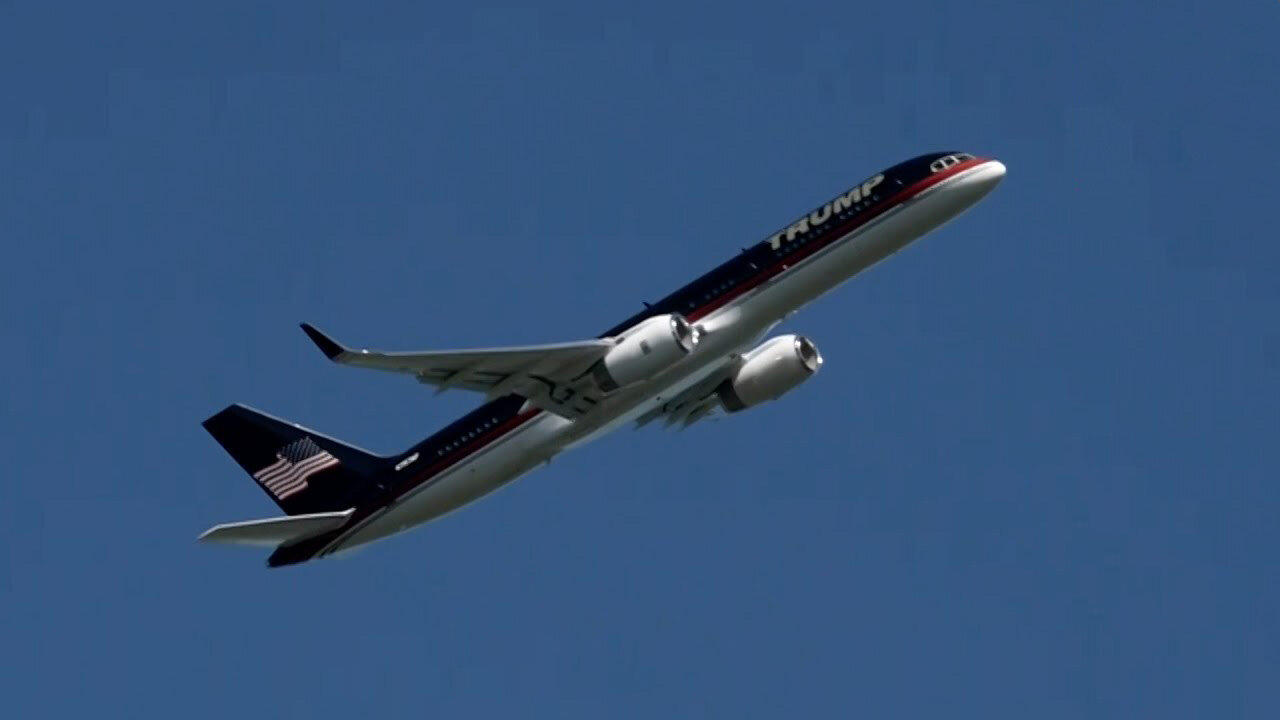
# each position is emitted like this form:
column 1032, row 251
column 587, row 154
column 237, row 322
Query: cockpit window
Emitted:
column 947, row 161
column 922, row 166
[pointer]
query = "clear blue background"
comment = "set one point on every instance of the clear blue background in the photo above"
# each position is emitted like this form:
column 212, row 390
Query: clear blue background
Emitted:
column 1036, row 478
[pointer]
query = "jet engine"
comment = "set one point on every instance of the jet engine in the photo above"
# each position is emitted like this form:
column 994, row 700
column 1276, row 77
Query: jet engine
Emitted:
column 644, row 351
column 770, row 370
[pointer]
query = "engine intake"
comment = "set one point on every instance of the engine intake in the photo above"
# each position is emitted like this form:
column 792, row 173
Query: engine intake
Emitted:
column 645, row 350
column 769, row 371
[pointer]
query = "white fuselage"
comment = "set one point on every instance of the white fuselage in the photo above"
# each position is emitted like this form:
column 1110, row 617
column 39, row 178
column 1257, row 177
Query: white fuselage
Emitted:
column 726, row 332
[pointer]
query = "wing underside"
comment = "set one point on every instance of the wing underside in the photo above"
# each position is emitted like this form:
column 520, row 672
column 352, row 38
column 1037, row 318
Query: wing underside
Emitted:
column 696, row 402
column 553, row 377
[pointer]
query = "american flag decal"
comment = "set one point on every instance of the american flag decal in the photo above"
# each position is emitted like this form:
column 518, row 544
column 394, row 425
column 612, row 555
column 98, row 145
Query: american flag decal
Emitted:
column 296, row 462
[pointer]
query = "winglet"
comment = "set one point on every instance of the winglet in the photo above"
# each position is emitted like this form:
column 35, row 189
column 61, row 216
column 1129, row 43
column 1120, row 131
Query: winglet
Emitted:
column 327, row 345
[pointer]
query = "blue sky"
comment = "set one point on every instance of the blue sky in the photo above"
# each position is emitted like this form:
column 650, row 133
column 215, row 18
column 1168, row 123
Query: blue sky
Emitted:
column 1036, row 477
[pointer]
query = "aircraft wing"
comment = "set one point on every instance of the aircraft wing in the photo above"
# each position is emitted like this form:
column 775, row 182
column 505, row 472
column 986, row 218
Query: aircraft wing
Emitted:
column 553, row 377
column 693, row 404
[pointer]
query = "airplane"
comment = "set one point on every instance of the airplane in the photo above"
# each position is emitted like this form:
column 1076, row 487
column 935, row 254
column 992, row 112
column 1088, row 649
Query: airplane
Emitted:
column 700, row 351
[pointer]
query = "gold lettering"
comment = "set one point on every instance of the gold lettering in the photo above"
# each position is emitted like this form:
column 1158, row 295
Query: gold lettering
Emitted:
column 846, row 201
column 800, row 226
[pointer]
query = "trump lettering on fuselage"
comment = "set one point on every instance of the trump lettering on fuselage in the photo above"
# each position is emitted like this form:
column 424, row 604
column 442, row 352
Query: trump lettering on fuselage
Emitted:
column 819, row 217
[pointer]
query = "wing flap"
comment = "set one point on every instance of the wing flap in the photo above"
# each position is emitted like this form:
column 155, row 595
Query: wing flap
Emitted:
column 272, row 532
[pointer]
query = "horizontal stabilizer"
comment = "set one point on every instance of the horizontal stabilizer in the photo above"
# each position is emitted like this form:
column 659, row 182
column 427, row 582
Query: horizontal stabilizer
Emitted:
column 271, row 532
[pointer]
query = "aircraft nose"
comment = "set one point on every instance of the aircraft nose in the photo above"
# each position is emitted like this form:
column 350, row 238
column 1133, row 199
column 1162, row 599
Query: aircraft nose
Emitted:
column 982, row 180
column 990, row 174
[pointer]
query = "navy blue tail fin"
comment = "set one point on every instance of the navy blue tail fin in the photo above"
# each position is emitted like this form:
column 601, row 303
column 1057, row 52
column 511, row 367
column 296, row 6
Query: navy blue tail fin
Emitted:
column 303, row 471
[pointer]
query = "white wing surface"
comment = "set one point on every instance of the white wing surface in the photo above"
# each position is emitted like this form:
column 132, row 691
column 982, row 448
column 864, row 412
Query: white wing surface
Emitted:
column 553, row 377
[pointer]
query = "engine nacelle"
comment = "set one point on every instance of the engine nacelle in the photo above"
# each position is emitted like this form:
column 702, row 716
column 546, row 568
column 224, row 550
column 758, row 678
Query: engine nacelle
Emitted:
column 769, row 371
column 644, row 351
